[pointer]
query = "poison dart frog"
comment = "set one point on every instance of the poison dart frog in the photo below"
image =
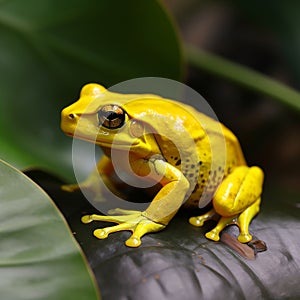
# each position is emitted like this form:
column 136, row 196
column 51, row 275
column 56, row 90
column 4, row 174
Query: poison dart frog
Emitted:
column 194, row 159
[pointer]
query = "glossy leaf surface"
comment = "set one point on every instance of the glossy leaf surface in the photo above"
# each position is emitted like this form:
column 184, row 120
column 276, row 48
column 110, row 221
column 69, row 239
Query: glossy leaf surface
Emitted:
column 39, row 259
column 179, row 263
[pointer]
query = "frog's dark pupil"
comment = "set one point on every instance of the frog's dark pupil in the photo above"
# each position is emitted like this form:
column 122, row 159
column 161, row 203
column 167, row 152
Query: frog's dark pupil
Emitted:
column 111, row 116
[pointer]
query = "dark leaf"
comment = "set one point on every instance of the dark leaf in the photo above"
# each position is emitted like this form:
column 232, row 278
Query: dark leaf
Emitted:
column 179, row 263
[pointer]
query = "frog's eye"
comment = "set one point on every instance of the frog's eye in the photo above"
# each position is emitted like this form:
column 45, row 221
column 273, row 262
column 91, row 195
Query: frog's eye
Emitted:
column 111, row 116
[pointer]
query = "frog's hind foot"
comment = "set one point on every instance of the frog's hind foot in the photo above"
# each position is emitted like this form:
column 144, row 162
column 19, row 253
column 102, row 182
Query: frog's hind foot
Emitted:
column 242, row 220
column 214, row 234
column 223, row 222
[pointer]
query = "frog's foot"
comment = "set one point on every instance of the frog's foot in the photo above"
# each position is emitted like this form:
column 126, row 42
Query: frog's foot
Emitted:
column 242, row 221
column 85, row 185
column 93, row 190
column 245, row 237
column 129, row 220
column 223, row 222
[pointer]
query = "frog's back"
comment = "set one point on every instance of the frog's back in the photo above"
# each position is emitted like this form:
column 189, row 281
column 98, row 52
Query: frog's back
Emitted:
column 167, row 116
column 219, row 151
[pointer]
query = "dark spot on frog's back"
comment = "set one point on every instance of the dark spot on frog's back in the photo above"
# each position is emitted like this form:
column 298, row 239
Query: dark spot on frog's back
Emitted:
column 178, row 162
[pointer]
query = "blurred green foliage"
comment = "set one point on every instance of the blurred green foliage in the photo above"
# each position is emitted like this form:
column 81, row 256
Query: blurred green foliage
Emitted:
column 50, row 48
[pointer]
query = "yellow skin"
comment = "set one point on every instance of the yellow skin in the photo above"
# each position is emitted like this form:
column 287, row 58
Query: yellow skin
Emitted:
column 167, row 143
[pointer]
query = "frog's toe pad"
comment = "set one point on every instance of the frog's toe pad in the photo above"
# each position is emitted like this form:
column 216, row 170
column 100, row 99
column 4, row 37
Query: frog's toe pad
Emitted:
column 245, row 237
column 101, row 233
column 197, row 221
column 213, row 235
column 86, row 219
column 133, row 242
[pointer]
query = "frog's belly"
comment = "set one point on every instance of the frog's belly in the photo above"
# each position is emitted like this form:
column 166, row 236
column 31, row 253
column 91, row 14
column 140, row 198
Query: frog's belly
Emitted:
column 201, row 196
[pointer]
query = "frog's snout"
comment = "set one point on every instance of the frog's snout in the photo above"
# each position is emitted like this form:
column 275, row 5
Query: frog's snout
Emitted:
column 68, row 120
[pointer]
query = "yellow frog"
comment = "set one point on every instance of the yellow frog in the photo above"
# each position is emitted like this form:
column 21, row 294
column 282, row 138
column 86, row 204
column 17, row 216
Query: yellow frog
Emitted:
column 173, row 145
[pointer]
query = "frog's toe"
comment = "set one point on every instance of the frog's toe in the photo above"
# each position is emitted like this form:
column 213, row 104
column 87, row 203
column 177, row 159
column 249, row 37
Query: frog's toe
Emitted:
column 133, row 241
column 213, row 235
column 70, row 187
column 115, row 219
column 245, row 237
column 123, row 211
column 143, row 227
column 103, row 233
column 197, row 221
column 86, row 219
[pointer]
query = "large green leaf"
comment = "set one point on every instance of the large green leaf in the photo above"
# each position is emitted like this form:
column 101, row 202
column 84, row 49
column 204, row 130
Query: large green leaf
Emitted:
column 50, row 48
column 39, row 259
column 179, row 263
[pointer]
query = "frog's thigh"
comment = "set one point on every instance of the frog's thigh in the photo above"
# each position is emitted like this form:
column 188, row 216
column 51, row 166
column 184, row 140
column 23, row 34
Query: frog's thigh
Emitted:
column 238, row 191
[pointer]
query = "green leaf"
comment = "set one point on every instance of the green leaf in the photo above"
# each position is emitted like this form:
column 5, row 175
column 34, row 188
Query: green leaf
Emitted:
column 50, row 48
column 39, row 258
column 180, row 263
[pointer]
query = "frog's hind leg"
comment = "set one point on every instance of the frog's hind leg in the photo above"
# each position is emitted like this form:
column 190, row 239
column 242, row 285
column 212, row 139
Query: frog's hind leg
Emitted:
column 238, row 196
column 244, row 220
column 237, row 201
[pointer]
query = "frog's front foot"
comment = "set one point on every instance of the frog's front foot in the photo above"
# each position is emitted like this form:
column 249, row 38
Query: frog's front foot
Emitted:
column 128, row 220
column 77, row 186
column 93, row 191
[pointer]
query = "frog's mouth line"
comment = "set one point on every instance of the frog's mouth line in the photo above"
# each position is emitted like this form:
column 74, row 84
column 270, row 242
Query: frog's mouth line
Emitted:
column 102, row 143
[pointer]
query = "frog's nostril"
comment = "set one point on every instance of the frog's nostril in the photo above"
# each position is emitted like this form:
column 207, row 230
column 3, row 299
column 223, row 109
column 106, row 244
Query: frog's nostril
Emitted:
column 72, row 116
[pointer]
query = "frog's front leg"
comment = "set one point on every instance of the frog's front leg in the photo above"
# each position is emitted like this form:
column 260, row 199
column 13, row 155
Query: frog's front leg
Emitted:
column 104, row 167
column 92, row 183
column 236, row 200
column 161, row 210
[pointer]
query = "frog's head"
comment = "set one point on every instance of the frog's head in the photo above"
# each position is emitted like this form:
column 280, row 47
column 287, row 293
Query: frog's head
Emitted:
column 107, row 119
